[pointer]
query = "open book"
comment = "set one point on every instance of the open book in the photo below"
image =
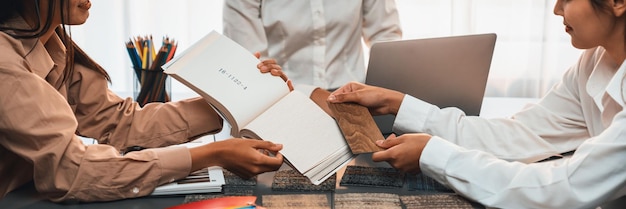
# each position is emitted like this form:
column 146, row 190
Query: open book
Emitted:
column 260, row 106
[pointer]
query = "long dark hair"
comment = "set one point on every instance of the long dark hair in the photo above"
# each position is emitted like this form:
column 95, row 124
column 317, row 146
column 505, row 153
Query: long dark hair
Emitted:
column 11, row 8
column 600, row 5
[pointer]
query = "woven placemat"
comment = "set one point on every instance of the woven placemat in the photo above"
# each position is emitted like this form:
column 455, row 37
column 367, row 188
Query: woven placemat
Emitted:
column 291, row 180
column 198, row 197
column 230, row 179
column 421, row 182
column 436, row 201
column 371, row 176
column 238, row 191
column 367, row 201
column 299, row 201
column 236, row 186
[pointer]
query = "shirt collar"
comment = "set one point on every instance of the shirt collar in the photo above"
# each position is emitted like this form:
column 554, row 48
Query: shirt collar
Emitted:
column 616, row 88
column 602, row 75
column 40, row 59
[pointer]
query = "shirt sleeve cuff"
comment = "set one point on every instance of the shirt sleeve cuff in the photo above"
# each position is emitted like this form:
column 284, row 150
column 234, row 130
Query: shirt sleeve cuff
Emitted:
column 435, row 157
column 412, row 115
column 305, row 89
column 200, row 117
column 175, row 163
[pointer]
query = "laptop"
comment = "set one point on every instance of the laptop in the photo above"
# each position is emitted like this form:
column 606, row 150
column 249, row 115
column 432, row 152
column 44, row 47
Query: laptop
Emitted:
column 445, row 71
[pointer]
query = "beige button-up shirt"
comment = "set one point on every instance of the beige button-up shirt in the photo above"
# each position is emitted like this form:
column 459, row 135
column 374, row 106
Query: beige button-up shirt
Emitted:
column 40, row 118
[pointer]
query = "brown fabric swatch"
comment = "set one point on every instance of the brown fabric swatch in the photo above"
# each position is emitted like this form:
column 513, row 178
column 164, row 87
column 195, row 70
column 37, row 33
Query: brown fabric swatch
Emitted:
column 236, row 186
column 367, row 201
column 358, row 127
column 291, row 201
column 371, row 176
column 437, row 201
column 291, row 180
column 198, row 197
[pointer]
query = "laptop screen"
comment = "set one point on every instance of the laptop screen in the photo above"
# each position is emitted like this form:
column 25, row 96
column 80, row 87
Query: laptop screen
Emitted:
column 445, row 71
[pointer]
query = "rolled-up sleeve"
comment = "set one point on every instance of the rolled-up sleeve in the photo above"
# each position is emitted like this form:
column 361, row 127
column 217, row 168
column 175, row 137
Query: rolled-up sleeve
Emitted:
column 104, row 175
column 104, row 116
column 39, row 127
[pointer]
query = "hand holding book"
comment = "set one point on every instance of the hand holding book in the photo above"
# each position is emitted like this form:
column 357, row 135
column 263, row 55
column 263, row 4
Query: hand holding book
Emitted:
column 272, row 67
column 239, row 156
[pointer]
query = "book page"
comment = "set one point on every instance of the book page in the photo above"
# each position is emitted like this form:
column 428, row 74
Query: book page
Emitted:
column 225, row 73
column 311, row 139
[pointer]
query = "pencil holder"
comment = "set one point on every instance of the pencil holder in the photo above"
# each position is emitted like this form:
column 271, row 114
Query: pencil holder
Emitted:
column 151, row 86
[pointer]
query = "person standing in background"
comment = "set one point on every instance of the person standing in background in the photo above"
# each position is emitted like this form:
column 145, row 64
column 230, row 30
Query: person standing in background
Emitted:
column 317, row 42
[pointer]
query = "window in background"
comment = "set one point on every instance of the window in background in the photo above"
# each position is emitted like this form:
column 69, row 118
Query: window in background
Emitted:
column 532, row 50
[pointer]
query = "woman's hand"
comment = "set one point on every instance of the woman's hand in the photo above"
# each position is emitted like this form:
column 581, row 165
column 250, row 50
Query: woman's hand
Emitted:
column 243, row 157
column 270, row 66
column 403, row 152
column 380, row 101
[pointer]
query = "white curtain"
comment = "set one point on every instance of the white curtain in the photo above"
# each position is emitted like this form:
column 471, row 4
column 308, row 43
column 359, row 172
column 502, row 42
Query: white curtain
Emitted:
column 532, row 50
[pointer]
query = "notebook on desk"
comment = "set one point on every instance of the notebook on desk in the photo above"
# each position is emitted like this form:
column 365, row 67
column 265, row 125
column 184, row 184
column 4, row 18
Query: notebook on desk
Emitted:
column 446, row 71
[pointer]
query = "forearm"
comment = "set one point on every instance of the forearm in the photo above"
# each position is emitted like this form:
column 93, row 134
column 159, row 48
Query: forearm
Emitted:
column 154, row 125
column 104, row 175
column 589, row 178
column 203, row 156
column 510, row 139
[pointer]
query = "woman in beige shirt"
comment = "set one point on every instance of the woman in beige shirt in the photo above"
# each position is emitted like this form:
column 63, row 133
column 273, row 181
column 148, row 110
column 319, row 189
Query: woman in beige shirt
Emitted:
column 51, row 92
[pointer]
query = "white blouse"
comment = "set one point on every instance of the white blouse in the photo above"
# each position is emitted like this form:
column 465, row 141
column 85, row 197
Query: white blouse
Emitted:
column 316, row 42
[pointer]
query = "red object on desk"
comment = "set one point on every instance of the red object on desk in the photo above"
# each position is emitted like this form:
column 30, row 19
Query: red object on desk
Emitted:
column 220, row 203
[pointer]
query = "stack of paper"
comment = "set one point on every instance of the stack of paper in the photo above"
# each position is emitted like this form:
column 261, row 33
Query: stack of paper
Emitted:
column 203, row 181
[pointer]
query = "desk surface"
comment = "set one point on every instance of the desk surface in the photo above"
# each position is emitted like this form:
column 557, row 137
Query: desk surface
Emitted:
column 27, row 197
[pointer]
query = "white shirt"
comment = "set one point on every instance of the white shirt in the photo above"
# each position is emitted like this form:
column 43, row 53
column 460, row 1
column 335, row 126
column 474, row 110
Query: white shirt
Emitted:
column 316, row 42
column 584, row 112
